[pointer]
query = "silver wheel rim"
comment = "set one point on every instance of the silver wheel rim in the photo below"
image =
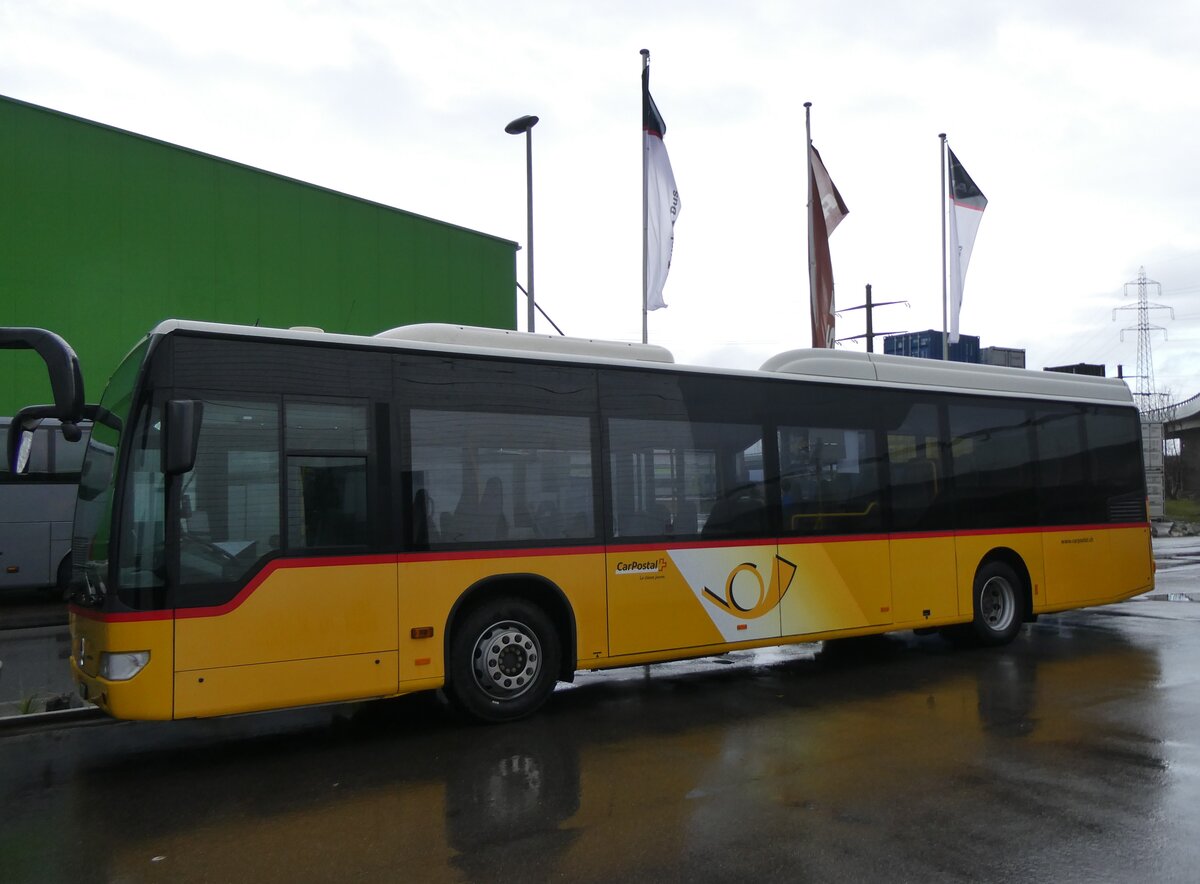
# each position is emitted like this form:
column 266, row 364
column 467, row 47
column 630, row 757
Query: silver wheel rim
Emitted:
column 997, row 604
column 506, row 660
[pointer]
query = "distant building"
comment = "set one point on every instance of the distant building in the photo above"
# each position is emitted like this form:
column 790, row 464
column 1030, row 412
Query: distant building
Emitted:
column 1096, row 371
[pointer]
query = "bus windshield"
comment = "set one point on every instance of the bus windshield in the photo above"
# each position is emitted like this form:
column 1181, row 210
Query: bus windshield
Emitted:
column 93, row 508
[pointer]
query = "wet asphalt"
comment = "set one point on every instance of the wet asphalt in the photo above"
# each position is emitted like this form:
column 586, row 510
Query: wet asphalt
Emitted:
column 1071, row 755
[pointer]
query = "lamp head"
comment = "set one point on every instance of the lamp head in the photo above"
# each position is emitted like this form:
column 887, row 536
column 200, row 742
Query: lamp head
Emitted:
column 521, row 124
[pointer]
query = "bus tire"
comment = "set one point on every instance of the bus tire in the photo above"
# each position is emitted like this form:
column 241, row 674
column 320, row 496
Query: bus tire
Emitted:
column 504, row 660
column 999, row 602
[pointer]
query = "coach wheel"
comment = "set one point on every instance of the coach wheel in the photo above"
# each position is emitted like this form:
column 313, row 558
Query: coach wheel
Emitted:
column 504, row 660
column 57, row 591
column 999, row 604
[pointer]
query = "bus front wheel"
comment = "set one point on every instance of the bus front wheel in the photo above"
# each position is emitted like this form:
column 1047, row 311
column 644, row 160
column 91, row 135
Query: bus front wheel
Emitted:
column 504, row 660
column 999, row 603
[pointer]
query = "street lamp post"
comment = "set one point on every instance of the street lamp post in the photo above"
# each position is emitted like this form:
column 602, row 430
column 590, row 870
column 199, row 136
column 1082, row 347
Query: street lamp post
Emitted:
column 516, row 127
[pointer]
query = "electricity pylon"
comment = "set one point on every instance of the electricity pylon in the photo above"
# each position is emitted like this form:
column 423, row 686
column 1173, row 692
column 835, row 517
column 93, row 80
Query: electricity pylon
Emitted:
column 1147, row 399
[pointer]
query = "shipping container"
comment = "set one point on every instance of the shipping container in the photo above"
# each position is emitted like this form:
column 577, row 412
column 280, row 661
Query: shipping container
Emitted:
column 928, row 345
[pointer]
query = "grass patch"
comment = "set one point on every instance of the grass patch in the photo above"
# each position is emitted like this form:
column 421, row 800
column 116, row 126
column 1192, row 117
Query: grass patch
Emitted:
column 1182, row 510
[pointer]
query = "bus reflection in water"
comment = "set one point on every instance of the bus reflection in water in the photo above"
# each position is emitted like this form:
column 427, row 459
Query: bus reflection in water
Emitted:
column 554, row 796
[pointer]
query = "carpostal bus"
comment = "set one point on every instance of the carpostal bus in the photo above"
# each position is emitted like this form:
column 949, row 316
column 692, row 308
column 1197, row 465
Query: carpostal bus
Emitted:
column 273, row 518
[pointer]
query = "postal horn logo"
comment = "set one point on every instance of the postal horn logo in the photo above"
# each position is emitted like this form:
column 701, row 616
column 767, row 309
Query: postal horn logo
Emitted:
column 746, row 593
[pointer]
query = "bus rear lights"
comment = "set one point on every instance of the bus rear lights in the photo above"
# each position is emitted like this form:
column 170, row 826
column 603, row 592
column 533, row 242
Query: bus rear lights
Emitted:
column 123, row 665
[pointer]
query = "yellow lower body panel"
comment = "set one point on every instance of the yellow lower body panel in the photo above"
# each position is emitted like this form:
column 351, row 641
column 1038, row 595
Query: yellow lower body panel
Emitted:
column 134, row 699
column 837, row 586
column 229, row 689
column 924, row 582
column 1095, row 567
column 146, row 696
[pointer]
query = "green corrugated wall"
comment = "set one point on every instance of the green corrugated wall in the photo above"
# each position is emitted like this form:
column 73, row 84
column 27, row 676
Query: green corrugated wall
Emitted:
column 104, row 233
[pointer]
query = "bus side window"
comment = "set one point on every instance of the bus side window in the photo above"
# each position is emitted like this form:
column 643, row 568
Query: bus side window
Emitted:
column 1117, row 479
column 40, row 454
column 327, row 445
column 681, row 479
column 1064, row 491
column 991, row 449
column 231, row 514
column 830, row 480
column 491, row 477
column 919, row 498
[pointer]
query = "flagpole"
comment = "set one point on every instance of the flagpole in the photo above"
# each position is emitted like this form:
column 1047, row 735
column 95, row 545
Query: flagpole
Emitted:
column 812, row 262
column 945, row 299
column 645, row 219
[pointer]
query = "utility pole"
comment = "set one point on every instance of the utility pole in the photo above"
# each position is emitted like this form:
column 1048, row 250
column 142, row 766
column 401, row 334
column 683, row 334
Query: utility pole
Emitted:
column 871, row 334
column 1147, row 399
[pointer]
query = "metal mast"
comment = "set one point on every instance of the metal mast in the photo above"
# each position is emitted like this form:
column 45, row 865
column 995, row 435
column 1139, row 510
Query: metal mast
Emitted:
column 1144, row 390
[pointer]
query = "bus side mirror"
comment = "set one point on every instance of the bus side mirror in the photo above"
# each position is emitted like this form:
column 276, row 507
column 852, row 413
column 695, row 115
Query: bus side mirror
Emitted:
column 182, row 431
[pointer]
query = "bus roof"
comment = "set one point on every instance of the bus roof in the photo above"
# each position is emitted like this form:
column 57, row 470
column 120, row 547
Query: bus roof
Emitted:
column 909, row 371
column 820, row 365
column 503, row 339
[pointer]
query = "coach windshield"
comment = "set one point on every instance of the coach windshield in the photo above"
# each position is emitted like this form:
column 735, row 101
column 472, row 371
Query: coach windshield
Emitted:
column 92, row 534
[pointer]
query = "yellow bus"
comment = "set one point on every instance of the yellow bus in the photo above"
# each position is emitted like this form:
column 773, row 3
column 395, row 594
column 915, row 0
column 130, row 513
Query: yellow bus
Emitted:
column 274, row 518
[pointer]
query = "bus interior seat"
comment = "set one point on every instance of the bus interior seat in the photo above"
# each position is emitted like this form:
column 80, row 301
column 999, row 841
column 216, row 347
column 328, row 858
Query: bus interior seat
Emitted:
column 914, row 485
column 736, row 513
column 425, row 528
column 643, row 523
column 686, row 518
column 547, row 521
column 493, row 523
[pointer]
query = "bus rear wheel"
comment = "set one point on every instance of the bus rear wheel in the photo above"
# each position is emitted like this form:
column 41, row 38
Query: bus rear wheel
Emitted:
column 999, row 602
column 504, row 660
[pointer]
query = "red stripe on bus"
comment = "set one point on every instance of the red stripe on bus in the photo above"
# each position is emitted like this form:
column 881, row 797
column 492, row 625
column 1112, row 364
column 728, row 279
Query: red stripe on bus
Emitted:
column 279, row 565
column 688, row 544
column 1045, row 529
column 471, row 554
column 121, row 617
column 830, row 538
column 351, row 560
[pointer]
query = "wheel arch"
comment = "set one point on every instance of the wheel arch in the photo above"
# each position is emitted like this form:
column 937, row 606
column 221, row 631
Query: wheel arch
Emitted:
column 63, row 571
column 1013, row 559
column 533, row 588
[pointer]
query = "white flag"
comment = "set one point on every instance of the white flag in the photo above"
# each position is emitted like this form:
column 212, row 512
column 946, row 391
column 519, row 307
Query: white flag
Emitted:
column 967, row 203
column 662, row 199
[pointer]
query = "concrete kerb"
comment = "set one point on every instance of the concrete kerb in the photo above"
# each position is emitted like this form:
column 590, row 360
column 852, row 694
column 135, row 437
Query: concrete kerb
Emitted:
column 11, row 718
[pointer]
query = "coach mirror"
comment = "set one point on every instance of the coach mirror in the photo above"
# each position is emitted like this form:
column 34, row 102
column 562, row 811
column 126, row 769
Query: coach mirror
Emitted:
column 182, row 431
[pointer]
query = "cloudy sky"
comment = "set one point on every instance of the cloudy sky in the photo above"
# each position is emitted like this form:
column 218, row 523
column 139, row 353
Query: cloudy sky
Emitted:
column 1080, row 121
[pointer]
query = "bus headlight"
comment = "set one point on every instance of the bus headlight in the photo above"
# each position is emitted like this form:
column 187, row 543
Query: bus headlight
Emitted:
column 122, row 665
